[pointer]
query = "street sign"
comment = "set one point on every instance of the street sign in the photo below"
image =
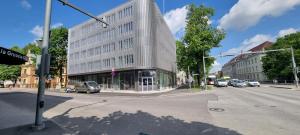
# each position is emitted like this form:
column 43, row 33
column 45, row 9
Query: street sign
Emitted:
column 10, row 57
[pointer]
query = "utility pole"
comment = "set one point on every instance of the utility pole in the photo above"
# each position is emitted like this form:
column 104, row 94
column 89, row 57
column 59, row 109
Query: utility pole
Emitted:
column 204, row 71
column 189, row 79
column 44, row 70
column 294, row 68
column 44, row 66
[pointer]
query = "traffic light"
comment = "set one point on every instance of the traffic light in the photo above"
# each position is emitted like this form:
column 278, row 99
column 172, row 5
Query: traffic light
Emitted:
column 104, row 25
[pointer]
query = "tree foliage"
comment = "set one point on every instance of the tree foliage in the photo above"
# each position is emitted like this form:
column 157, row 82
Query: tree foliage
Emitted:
column 200, row 37
column 58, row 50
column 278, row 65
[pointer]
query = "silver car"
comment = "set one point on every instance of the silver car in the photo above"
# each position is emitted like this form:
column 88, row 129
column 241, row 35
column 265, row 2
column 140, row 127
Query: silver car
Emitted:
column 87, row 86
column 240, row 83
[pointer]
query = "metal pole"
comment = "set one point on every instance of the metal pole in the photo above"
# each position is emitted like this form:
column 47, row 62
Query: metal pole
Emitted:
column 40, row 103
column 294, row 68
column 204, row 72
column 64, row 2
column 189, row 77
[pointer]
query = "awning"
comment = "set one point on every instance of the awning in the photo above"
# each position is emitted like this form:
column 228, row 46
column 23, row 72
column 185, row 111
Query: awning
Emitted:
column 10, row 57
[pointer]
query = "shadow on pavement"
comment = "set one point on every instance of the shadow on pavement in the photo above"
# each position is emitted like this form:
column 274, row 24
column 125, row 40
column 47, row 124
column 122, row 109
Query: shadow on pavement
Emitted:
column 18, row 109
column 27, row 101
column 139, row 123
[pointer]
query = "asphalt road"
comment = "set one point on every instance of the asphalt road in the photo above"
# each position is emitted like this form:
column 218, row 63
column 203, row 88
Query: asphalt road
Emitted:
column 258, row 111
column 222, row 111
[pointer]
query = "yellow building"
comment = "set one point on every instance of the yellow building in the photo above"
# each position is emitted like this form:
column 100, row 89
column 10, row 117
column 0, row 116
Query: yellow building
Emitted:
column 29, row 79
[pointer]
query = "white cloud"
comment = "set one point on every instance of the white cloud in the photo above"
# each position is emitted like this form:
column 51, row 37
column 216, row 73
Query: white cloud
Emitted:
column 250, row 43
column 285, row 32
column 176, row 19
column 25, row 4
column 216, row 67
column 37, row 30
column 259, row 39
column 247, row 13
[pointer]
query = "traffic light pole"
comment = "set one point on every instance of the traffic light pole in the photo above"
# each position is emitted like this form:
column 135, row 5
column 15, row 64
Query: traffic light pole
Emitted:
column 204, row 71
column 40, row 103
column 43, row 70
column 294, row 68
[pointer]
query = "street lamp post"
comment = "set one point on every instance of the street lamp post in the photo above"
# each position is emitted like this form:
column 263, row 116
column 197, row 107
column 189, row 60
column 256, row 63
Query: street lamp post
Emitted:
column 294, row 68
column 44, row 69
column 204, row 71
column 44, row 66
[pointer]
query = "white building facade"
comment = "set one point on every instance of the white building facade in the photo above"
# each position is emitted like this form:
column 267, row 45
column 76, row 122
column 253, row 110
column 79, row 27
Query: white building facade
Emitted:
column 247, row 66
column 135, row 52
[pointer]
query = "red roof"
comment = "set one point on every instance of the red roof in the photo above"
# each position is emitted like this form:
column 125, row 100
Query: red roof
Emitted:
column 255, row 49
column 261, row 46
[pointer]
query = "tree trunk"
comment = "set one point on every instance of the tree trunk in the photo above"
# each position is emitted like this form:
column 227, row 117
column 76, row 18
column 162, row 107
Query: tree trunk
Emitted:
column 198, row 76
column 60, row 76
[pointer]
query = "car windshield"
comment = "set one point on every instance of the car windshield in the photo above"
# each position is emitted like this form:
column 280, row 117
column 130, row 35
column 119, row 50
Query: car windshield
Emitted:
column 222, row 80
column 240, row 81
column 252, row 81
column 94, row 84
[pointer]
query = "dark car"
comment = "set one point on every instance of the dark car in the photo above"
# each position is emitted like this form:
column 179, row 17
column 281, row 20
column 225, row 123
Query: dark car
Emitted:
column 232, row 81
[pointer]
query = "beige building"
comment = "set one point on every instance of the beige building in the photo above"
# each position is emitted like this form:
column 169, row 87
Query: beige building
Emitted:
column 29, row 79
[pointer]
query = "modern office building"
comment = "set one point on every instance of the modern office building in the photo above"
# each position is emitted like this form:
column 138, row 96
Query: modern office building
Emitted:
column 135, row 52
column 247, row 66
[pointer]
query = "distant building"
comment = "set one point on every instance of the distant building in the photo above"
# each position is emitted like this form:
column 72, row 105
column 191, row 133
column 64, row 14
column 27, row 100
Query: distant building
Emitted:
column 29, row 79
column 137, row 51
column 247, row 66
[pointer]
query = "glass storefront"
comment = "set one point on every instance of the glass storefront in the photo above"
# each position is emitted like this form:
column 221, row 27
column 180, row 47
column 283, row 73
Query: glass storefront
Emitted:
column 138, row 80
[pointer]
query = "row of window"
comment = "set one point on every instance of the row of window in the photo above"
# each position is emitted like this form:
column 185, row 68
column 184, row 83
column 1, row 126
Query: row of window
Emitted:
column 102, row 36
column 250, row 76
column 247, row 70
column 246, row 63
column 105, row 63
column 110, row 19
column 125, row 28
column 107, row 48
column 128, row 11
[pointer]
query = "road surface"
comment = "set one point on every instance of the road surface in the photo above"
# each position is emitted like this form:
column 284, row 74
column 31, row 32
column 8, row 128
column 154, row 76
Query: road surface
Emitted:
column 222, row 111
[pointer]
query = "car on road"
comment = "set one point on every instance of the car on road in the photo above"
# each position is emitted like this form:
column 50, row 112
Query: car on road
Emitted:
column 70, row 88
column 253, row 83
column 87, row 86
column 221, row 83
column 232, row 81
column 240, row 83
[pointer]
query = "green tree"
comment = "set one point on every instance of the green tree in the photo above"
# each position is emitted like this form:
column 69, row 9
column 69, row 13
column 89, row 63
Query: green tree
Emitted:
column 278, row 65
column 34, row 49
column 58, row 50
column 200, row 37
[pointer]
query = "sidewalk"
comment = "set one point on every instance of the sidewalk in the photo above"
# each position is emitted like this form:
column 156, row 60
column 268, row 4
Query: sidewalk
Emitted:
column 290, row 87
column 50, row 129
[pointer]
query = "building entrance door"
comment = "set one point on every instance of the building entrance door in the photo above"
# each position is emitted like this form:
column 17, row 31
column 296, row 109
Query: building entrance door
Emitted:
column 147, row 83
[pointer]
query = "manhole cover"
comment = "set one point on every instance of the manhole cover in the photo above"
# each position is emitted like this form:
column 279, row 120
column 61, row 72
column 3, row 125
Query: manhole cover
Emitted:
column 217, row 109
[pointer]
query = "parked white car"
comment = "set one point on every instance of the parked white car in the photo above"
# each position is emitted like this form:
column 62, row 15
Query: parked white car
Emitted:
column 253, row 83
column 221, row 83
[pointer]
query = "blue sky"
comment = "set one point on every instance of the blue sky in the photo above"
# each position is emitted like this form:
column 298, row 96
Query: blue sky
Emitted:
column 247, row 23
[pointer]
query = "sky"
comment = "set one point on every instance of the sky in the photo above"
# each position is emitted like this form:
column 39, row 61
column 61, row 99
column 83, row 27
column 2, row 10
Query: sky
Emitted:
column 247, row 23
